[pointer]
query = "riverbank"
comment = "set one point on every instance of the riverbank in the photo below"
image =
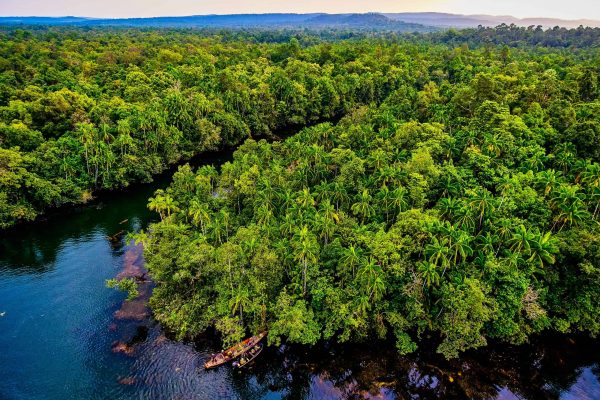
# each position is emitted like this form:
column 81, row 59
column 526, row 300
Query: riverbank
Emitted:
column 160, row 180
column 550, row 366
column 60, row 328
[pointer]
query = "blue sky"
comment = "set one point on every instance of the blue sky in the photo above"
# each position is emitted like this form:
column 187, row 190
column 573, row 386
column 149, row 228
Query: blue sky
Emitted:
column 567, row 9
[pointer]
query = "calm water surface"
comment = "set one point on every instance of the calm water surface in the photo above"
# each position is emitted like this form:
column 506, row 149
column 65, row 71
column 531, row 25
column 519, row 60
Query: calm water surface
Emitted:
column 64, row 335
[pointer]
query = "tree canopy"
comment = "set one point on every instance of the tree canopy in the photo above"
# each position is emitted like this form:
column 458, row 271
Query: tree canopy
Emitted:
column 444, row 184
column 462, row 205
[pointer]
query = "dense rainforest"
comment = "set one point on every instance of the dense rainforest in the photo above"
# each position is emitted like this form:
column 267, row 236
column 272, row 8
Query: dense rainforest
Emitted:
column 85, row 109
column 463, row 207
column 452, row 193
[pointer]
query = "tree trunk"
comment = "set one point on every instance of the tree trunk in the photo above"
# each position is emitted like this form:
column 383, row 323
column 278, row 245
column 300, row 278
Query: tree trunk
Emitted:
column 304, row 268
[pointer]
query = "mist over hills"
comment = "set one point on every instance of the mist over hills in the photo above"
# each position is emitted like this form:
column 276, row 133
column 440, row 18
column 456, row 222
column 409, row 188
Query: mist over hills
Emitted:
column 405, row 22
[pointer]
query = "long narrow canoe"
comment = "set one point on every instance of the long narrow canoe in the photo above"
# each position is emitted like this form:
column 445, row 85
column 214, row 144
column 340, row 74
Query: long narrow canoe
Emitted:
column 234, row 351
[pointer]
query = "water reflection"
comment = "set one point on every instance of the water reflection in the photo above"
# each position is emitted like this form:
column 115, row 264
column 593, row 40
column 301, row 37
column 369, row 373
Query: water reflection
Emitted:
column 172, row 370
column 550, row 368
column 32, row 248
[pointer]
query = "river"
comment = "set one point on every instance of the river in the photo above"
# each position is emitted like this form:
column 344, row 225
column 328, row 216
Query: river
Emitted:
column 64, row 335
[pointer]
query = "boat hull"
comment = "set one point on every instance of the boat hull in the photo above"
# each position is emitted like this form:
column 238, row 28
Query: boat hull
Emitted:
column 234, row 351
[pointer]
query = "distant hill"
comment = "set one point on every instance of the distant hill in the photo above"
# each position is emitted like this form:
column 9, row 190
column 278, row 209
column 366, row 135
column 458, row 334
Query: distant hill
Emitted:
column 469, row 21
column 369, row 20
column 319, row 20
column 42, row 20
column 403, row 22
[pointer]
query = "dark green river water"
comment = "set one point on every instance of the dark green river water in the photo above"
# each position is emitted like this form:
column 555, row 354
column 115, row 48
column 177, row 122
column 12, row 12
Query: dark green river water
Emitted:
column 64, row 335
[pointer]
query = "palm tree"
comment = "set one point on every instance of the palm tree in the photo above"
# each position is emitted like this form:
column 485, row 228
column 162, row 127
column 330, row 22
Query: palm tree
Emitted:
column 224, row 217
column 591, row 175
column 580, row 167
column 570, row 206
column 305, row 199
column 594, row 198
column 571, row 214
column 448, row 206
column 542, row 248
column 288, row 225
column 351, row 258
column 315, row 154
column 521, row 240
column 239, row 301
column 264, row 215
column 286, row 198
column 492, row 145
column 464, row 218
column 429, row 272
column 200, row 214
column 171, row 205
column 384, row 197
column 339, row 195
column 86, row 133
column 535, row 160
column 449, row 185
column 362, row 304
column 265, row 193
column 378, row 159
column 326, row 227
column 218, row 229
column 363, row 205
column 249, row 246
column 399, row 199
column 157, row 203
column 460, row 246
column 306, row 252
column 329, row 211
column 513, row 259
column 505, row 229
column 564, row 156
column 504, row 187
column 482, row 201
column 124, row 139
column 322, row 191
column 371, row 275
column 486, row 243
column 548, row 180
column 385, row 174
column 438, row 252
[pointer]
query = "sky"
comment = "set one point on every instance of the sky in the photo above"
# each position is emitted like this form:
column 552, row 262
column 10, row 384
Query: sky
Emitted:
column 565, row 9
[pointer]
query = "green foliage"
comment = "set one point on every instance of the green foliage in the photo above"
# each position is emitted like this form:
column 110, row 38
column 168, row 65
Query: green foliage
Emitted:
column 102, row 110
column 128, row 285
column 455, row 196
column 474, row 250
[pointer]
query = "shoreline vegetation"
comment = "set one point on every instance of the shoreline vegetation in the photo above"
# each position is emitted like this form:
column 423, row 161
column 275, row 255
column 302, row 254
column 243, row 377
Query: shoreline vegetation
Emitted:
column 457, row 197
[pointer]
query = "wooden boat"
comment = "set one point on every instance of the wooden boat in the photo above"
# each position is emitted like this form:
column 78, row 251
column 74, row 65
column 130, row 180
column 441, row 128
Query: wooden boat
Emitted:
column 234, row 351
column 117, row 236
column 248, row 356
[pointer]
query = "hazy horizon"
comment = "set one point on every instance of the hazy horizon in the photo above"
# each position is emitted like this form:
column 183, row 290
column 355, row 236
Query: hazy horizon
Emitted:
column 575, row 9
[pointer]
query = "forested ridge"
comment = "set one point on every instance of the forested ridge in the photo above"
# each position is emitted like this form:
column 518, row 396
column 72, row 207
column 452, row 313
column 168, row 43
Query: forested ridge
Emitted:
column 456, row 198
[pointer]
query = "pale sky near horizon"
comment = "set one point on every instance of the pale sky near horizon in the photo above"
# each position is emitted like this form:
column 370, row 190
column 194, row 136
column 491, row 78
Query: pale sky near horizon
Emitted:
column 566, row 9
